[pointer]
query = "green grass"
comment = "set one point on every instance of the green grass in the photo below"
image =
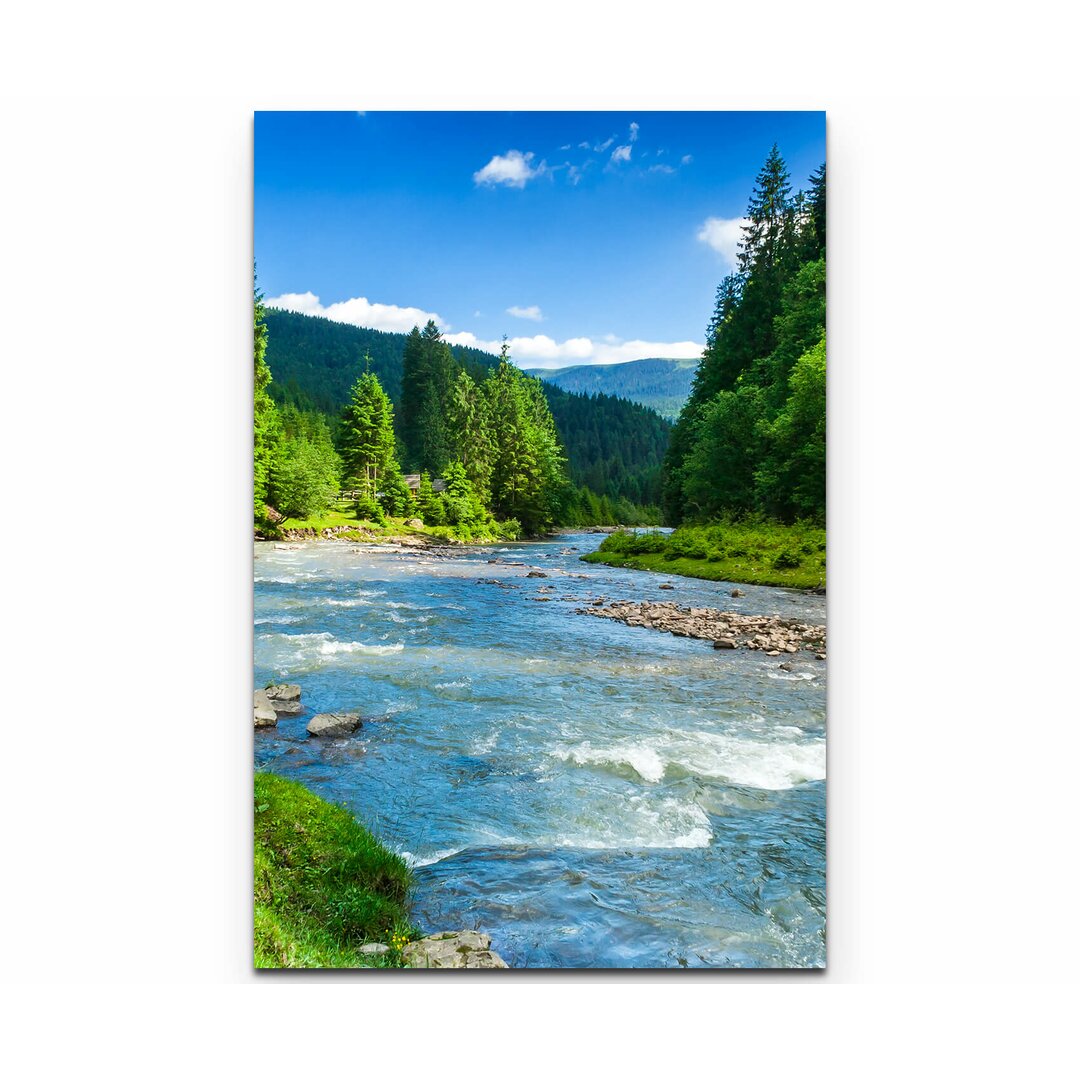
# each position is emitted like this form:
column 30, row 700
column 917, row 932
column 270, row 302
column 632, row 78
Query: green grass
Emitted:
column 755, row 553
column 324, row 885
column 343, row 515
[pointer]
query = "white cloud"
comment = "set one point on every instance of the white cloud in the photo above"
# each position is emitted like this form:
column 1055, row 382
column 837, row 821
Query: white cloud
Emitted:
column 600, row 148
column 620, row 153
column 543, row 351
column 514, row 169
column 574, row 175
column 686, row 159
column 634, row 129
column 584, row 146
column 358, row 311
column 723, row 236
column 566, row 147
column 661, row 168
column 531, row 312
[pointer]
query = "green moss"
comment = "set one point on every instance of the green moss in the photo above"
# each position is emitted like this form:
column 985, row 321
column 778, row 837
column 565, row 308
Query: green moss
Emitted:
column 324, row 885
column 789, row 556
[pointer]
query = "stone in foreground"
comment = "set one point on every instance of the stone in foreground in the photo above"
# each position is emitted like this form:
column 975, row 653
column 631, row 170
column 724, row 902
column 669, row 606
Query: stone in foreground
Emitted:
column 375, row 948
column 467, row 949
column 264, row 711
column 333, row 724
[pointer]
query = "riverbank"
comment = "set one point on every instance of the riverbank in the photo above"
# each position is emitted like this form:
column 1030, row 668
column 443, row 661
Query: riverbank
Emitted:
column 341, row 523
column 324, row 886
column 786, row 556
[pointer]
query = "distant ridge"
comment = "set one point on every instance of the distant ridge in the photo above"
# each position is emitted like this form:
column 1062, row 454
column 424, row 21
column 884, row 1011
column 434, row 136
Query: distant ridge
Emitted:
column 659, row 383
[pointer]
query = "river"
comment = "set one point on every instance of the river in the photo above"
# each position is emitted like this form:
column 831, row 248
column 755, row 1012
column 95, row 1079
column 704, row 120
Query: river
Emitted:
column 588, row 793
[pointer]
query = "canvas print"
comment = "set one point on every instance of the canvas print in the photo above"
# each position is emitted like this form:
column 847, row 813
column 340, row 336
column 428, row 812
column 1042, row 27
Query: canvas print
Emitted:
column 539, row 540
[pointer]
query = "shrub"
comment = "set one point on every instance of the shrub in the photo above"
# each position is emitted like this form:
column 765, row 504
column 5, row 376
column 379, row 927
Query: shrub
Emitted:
column 367, row 509
column 787, row 560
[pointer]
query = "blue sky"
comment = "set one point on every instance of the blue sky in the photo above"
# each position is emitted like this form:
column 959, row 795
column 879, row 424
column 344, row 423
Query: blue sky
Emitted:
column 585, row 237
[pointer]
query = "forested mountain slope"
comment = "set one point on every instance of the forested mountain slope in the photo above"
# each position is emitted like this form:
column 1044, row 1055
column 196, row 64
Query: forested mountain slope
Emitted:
column 660, row 384
column 614, row 447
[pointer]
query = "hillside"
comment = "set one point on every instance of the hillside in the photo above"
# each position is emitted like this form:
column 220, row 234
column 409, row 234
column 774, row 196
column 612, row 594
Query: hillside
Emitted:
column 663, row 385
column 614, row 447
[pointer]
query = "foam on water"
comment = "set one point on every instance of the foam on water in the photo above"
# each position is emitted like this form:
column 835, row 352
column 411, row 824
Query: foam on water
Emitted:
column 770, row 765
column 635, row 822
column 413, row 861
column 330, row 648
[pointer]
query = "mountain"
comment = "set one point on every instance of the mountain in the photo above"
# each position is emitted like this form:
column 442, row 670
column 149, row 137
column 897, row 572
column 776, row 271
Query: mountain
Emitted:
column 663, row 385
column 615, row 447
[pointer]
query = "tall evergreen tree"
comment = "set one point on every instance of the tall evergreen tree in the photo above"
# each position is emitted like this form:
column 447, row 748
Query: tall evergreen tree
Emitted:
column 468, row 428
column 527, row 467
column 767, row 239
column 367, row 437
column 265, row 417
column 427, row 375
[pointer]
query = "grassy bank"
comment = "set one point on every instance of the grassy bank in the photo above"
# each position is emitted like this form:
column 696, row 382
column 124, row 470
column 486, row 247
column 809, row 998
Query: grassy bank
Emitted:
column 343, row 516
column 791, row 556
column 324, row 885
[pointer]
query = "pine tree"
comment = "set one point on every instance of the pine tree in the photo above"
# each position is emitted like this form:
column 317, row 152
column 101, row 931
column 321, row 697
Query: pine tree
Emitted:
column 428, row 373
column 767, row 239
column 468, row 430
column 527, row 477
column 816, row 204
column 367, row 438
column 265, row 416
column 429, row 505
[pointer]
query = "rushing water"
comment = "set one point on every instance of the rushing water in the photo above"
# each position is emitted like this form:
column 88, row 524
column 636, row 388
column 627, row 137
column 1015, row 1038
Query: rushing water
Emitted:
column 588, row 793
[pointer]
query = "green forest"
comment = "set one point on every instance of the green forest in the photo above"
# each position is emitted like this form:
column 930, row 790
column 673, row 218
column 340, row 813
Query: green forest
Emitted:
column 339, row 408
column 496, row 453
column 751, row 439
column 481, row 435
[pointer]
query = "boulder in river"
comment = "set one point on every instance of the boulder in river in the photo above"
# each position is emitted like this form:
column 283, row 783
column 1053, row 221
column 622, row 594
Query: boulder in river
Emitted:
column 467, row 949
column 665, row 585
column 283, row 692
column 285, row 699
column 536, row 573
column 333, row 724
column 264, row 711
column 737, row 592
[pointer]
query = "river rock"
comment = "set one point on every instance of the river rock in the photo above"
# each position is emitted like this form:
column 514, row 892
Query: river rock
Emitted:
column 264, row 711
column 467, row 949
column 665, row 585
column 333, row 724
column 536, row 573
column 737, row 592
column 285, row 699
column 283, row 692
column 375, row 948
column 726, row 629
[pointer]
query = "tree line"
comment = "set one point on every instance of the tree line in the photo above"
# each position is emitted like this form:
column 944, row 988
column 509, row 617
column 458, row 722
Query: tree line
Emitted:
column 751, row 438
column 614, row 448
column 487, row 433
